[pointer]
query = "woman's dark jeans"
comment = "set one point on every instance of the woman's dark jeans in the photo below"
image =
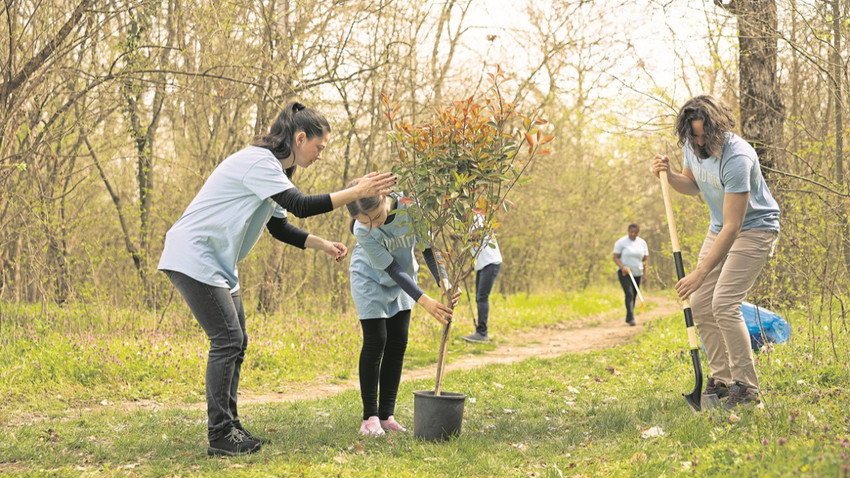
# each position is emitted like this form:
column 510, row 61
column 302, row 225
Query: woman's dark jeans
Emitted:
column 222, row 317
column 631, row 294
column 484, row 280
column 381, row 359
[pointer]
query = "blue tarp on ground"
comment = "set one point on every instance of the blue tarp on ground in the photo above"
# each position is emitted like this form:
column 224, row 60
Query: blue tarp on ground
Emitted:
column 764, row 325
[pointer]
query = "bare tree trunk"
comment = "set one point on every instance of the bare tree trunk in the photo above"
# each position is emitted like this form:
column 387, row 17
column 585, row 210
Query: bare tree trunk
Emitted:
column 762, row 111
column 143, row 131
column 839, row 122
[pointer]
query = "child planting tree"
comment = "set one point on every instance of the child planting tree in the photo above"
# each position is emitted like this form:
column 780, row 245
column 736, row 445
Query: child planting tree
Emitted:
column 457, row 170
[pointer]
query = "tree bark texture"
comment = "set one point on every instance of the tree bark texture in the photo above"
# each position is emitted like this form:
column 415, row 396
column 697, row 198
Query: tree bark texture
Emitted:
column 762, row 111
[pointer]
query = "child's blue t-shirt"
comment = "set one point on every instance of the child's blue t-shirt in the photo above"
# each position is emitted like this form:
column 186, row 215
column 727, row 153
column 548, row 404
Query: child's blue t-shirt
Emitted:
column 226, row 218
column 376, row 295
column 737, row 171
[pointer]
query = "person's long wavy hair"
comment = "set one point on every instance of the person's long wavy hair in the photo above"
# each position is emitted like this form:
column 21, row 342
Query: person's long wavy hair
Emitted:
column 717, row 119
column 295, row 117
column 362, row 205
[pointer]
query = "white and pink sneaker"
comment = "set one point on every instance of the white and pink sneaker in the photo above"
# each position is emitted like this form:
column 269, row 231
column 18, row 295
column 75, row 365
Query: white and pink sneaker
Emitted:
column 372, row 427
column 390, row 425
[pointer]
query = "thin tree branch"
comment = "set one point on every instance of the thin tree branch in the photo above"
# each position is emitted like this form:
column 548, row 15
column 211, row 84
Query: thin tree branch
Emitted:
column 808, row 180
column 38, row 60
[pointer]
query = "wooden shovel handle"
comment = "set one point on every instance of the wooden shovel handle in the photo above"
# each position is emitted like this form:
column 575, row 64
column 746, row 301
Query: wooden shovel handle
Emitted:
column 637, row 289
column 674, row 238
column 668, row 208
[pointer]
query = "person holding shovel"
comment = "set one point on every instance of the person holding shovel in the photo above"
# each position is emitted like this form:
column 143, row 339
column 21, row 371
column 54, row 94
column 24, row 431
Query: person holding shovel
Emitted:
column 383, row 285
column 743, row 231
column 630, row 255
column 249, row 190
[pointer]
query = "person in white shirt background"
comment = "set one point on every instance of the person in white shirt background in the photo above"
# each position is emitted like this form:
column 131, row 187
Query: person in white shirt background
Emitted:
column 488, row 263
column 630, row 255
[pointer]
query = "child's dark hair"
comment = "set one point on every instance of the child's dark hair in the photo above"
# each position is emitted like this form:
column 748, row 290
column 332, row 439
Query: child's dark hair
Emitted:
column 295, row 117
column 361, row 206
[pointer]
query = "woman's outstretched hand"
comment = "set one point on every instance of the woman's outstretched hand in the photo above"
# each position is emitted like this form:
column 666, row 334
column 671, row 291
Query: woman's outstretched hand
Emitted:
column 438, row 310
column 337, row 250
column 375, row 184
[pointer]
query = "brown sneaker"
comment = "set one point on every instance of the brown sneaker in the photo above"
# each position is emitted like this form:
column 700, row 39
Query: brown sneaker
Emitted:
column 739, row 394
column 716, row 387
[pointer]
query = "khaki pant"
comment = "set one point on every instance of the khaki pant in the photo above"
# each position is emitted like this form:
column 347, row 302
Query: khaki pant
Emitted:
column 716, row 305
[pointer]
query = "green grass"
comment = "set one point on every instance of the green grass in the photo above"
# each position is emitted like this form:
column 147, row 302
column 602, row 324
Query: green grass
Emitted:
column 573, row 415
column 77, row 355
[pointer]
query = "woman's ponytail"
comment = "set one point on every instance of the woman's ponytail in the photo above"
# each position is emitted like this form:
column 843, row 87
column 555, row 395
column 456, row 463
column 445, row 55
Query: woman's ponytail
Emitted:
column 295, row 117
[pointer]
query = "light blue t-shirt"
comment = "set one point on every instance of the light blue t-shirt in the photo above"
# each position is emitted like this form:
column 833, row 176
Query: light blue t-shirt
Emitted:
column 226, row 218
column 632, row 253
column 376, row 295
column 737, row 171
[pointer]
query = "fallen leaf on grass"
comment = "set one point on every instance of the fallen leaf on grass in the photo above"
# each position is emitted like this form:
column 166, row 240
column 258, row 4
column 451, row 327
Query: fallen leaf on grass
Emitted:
column 651, row 432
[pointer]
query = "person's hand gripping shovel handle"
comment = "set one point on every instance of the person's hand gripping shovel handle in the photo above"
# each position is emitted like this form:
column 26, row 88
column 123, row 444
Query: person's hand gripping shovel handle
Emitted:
column 695, row 396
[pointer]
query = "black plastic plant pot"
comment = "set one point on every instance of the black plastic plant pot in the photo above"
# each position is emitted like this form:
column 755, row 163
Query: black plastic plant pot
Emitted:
column 437, row 417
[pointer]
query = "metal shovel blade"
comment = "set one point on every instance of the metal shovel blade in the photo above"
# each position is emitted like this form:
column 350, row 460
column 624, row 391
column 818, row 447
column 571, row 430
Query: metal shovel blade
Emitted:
column 694, row 398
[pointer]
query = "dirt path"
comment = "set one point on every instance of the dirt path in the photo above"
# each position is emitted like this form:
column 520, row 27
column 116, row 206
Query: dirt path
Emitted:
column 593, row 333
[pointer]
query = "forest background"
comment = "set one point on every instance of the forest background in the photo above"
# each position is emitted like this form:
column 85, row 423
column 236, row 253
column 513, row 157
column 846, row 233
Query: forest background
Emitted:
column 113, row 113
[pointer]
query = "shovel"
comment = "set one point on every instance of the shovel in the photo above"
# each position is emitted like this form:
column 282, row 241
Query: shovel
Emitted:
column 469, row 299
column 634, row 283
column 695, row 396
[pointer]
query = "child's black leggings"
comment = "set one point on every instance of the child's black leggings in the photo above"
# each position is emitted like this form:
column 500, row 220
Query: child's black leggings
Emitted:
column 381, row 359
